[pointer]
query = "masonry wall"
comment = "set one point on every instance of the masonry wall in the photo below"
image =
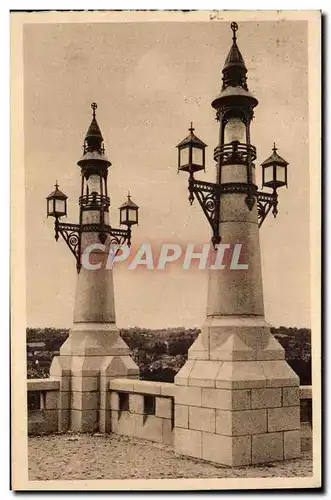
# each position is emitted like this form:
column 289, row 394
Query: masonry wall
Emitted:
column 139, row 409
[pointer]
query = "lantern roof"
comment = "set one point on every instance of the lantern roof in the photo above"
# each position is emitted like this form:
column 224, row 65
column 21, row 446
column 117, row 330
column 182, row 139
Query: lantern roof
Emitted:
column 192, row 139
column 129, row 203
column 274, row 159
column 234, row 70
column 57, row 193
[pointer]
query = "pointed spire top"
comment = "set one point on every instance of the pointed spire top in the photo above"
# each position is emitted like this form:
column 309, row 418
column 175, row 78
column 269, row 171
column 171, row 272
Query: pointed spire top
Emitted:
column 93, row 139
column 234, row 71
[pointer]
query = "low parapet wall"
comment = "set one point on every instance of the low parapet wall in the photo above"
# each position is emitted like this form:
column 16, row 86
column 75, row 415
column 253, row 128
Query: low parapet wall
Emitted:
column 142, row 409
column 42, row 405
column 137, row 408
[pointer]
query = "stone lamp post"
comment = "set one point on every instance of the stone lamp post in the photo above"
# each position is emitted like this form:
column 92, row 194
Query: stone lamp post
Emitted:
column 237, row 399
column 94, row 351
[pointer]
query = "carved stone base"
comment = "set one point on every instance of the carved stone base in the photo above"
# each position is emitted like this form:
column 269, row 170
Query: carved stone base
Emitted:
column 91, row 356
column 237, row 403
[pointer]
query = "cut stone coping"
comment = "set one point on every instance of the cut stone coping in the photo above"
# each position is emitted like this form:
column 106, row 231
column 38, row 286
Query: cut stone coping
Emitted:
column 305, row 392
column 43, row 384
column 142, row 387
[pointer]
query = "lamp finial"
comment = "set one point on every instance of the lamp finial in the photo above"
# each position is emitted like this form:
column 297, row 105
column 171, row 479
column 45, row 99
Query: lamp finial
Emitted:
column 234, row 27
column 94, row 107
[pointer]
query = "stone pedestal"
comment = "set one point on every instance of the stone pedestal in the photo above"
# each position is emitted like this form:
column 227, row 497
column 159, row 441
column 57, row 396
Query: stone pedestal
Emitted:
column 94, row 352
column 237, row 400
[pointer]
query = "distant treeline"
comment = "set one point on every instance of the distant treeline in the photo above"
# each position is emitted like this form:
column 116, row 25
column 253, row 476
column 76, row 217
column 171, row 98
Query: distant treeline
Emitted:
column 161, row 353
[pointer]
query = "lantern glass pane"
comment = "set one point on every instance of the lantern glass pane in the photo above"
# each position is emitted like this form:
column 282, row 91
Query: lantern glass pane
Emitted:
column 132, row 215
column 197, row 156
column 93, row 183
column 280, row 174
column 268, row 174
column 235, row 130
column 49, row 207
column 59, row 206
column 184, row 157
column 122, row 215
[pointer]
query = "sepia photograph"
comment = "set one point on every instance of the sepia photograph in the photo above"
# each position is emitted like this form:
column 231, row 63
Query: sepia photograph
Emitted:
column 165, row 275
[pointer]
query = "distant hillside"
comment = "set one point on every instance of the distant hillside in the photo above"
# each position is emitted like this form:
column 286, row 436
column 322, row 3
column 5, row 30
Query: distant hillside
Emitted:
column 161, row 353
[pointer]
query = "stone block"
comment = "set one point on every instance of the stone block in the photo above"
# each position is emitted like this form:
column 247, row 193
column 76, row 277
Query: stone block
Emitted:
column 203, row 373
column 51, row 400
column 167, row 432
column 267, row 447
column 118, row 366
column 43, row 384
column 306, row 438
column 168, row 389
column 63, row 420
column 64, row 399
column 240, row 375
column 201, row 419
column 233, row 349
column 226, row 399
column 114, row 400
column 291, row 444
column 190, row 396
column 84, row 421
column 85, row 400
column 182, row 376
column 84, row 384
column 226, row 450
column 266, row 398
column 241, row 422
column 181, row 416
column 279, row 374
column 149, row 427
column 198, row 350
column 163, row 407
column 136, row 403
column 284, row 419
column 291, row 396
column 104, row 400
column 271, row 351
column 147, row 387
column 123, row 423
column 105, row 421
column 121, row 384
column 51, row 420
column 188, row 442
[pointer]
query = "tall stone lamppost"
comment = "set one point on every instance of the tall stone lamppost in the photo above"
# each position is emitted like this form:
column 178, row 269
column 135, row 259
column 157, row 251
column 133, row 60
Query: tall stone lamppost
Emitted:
column 94, row 351
column 237, row 399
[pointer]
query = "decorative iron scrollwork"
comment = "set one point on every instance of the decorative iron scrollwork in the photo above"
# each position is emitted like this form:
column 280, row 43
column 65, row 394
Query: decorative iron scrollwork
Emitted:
column 72, row 233
column 265, row 203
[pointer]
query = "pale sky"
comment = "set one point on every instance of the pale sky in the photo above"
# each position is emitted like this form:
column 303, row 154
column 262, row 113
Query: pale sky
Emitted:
column 150, row 80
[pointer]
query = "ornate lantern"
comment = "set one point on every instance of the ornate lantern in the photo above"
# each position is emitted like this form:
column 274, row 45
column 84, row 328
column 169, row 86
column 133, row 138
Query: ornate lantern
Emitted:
column 129, row 212
column 274, row 171
column 57, row 203
column 191, row 153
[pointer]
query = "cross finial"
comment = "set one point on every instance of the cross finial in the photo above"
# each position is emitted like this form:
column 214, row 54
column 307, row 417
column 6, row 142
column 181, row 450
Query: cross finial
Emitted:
column 191, row 129
column 129, row 196
column 234, row 27
column 274, row 148
column 94, row 107
column 56, row 185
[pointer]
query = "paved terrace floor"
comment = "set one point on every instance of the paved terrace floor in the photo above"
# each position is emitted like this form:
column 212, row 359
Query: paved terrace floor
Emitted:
column 84, row 456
